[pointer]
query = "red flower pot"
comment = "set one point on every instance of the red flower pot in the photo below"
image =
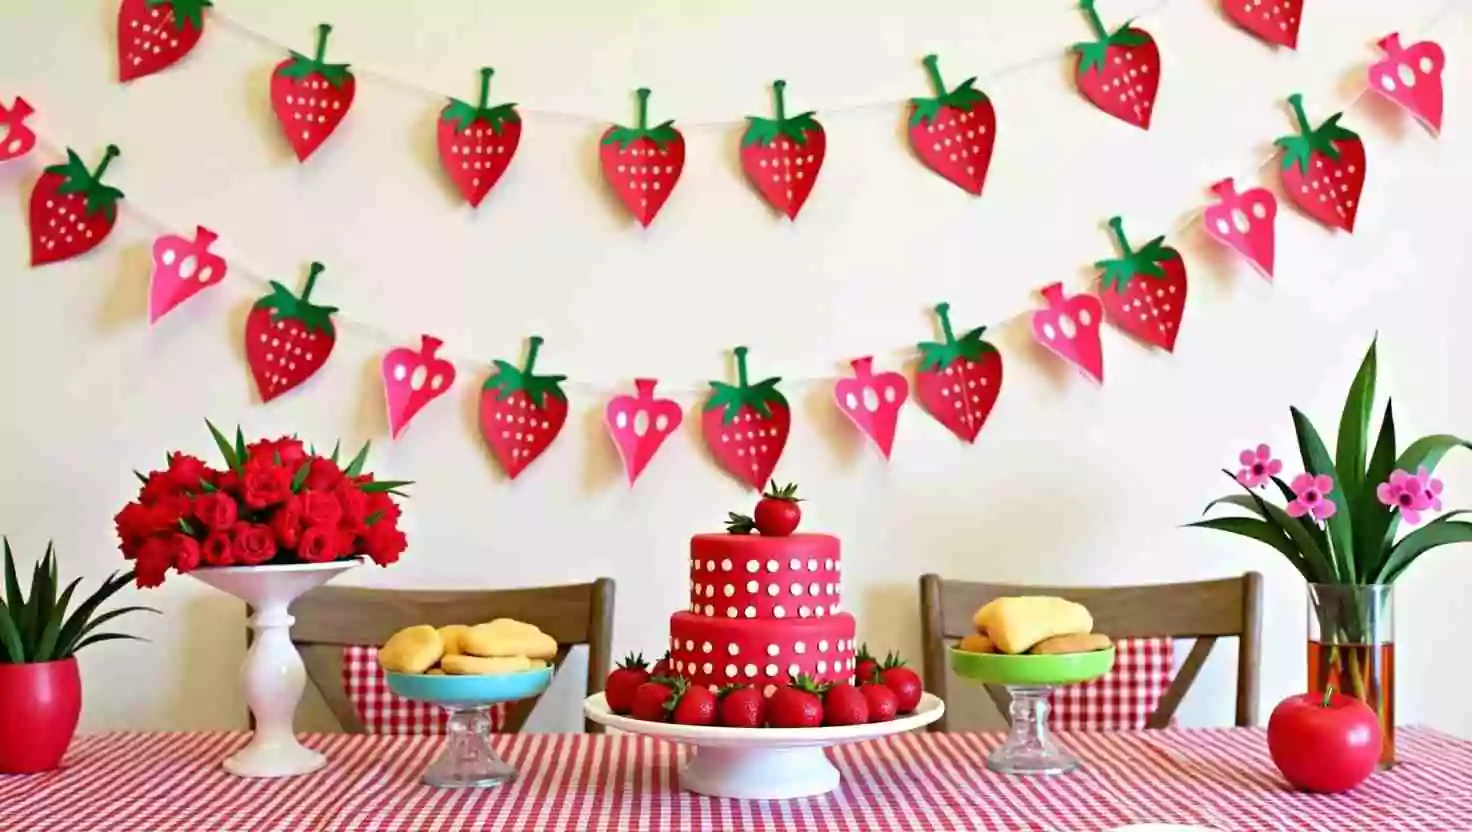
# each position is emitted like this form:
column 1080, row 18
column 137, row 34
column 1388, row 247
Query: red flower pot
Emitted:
column 39, row 707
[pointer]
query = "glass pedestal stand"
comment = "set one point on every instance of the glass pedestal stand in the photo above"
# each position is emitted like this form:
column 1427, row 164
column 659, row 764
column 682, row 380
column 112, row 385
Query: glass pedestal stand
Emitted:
column 1029, row 749
column 468, row 760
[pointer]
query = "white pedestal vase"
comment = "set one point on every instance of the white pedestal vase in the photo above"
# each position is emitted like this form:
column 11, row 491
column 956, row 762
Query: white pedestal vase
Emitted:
column 273, row 674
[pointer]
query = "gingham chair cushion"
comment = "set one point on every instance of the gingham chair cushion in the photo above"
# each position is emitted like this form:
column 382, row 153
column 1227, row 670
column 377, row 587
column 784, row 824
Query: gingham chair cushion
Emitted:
column 1123, row 699
column 380, row 711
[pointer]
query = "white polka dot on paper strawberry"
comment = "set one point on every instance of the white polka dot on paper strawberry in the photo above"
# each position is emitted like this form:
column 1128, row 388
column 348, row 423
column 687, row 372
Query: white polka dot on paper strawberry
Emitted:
column 1144, row 291
column 1244, row 221
column 288, row 338
column 1118, row 71
column 1069, row 328
column 16, row 137
column 958, row 380
column 71, row 209
column 781, row 156
column 182, row 268
column 521, row 412
column 154, row 35
column 745, row 425
column 639, row 425
column 954, row 132
column 1323, row 168
column 1411, row 77
column 1273, row 22
column 412, row 379
column 872, row 401
column 642, row 164
column 477, row 141
column 311, row 97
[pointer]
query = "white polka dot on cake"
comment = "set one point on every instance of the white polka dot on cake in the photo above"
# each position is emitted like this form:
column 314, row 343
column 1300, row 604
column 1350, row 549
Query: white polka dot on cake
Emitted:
column 710, row 590
column 730, row 612
column 796, row 589
column 772, row 566
column 751, row 612
column 710, row 610
column 679, row 666
column 823, row 646
column 828, row 564
column 729, row 590
column 726, row 565
column 750, row 670
column 822, row 666
column 694, row 566
column 818, row 612
column 710, row 566
column 733, row 649
column 708, row 668
column 773, row 650
column 774, row 590
column 731, row 670
column 804, row 612
column 794, row 670
column 753, row 586
column 795, row 564
column 704, row 648
column 812, row 564
column 778, row 611
column 752, row 566
column 771, row 670
column 799, row 648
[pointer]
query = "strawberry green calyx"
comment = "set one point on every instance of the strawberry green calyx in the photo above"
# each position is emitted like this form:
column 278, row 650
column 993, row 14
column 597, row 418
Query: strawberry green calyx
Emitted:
column 764, row 131
column 1092, row 54
column 729, row 689
column 508, row 379
column 302, row 67
column 807, row 684
column 891, row 661
column 739, row 523
column 187, row 13
column 634, row 661
column 286, row 306
column 759, row 397
column 970, row 346
column 465, row 115
column 661, row 134
column 677, row 685
column 98, row 198
column 1298, row 149
column 964, row 97
column 786, row 493
column 1143, row 263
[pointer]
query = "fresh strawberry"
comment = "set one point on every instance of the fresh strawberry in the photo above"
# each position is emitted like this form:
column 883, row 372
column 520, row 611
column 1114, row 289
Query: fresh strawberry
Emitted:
column 1275, row 21
column 1118, row 71
column 958, row 382
column 954, row 132
column 1323, row 169
column 903, row 681
column 844, row 704
column 71, row 209
column 693, row 705
column 661, row 667
column 782, row 156
column 873, row 401
column 288, row 338
column 652, row 699
column 1411, row 77
column 520, row 412
column 477, row 141
column 865, row 665
column 884, row 705
column 1144, row 292
column 797, row 704
column 624, row 681
column 639, row 424
column 746, row 426
column 181, row 269
column 742, row 706
column 311, row 97
column 1244, row 221
column 642, row 164
column 16, row 139
column 412, row 379
column 1069, row 328
column 155, row 34
column 777, row 513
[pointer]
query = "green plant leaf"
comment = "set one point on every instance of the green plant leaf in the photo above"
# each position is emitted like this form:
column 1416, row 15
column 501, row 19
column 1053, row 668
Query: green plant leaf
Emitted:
column 383, row 486
column 1418, row 543
column 1341, row 526
column 46, row 647
column 15, row 650
column 43, row 599
column 300, row 479
column 227, row 452
column 74, row 630
column 13, row 597
column 1354, row 429
column 355, row 467
column 101, row 637
column 1259, row 530
column 1308, row 545
column 1372, row 520
column 77, row 623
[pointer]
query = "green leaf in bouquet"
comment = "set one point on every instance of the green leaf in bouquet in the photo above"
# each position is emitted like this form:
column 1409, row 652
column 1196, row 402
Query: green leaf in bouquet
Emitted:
column 240, row 452
column 1316, row 460
column 10, row 641
column 300, row 480
column 206, row 486
column 1259, row 530
column 336, row 447
column 1354, row 429
column 355, row 467
column 232, row 461
column 1301, row 534
column 141, row 478
column 389, row 486
column 1371, row 519
column 373, row 518
column 1419, row 542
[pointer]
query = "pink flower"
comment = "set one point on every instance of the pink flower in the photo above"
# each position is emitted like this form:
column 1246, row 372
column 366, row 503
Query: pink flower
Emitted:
column 1433, row 488
column 1411, row 494
column 1258, row 466
column 1313, row 497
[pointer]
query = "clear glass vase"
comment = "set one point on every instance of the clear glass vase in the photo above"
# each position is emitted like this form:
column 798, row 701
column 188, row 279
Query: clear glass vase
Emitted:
column 1351, row 646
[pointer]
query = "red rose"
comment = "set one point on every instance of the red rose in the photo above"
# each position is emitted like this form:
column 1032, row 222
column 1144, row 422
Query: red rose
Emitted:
column 324, row 475
column 157, row 487
column 252, row 544
column 320, row 508
column 354, row 505
column 264, row 485
column 217, row 551
column 381, row 507
column 229, row 483
column 384, row 543
column 286, row 451
column 216, row 511
column 134, row 525
column 319, row 544
column 153, row 562
column 184, row 551
column 187, row 472
column 286, row 523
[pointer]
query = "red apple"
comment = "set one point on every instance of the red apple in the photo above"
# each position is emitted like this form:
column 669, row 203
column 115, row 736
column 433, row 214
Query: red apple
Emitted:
column 1324, row 743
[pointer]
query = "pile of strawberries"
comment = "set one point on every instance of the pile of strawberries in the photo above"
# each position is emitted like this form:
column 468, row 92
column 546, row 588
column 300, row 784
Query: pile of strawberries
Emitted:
column 879, row 692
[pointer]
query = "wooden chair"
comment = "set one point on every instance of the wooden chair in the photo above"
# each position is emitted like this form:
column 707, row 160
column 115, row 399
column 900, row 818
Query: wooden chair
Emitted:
column 1205, row 611
column 331, row 617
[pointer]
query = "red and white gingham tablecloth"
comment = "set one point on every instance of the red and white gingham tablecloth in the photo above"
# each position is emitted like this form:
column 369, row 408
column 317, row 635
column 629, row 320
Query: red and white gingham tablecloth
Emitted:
column 1217, row 778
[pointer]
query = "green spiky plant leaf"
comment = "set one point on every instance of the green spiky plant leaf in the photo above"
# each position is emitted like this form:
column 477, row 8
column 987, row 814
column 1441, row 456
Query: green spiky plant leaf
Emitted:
column 40, row 626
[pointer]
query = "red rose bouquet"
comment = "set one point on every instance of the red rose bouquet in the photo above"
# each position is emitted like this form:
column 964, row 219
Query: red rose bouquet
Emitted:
column 275, row 502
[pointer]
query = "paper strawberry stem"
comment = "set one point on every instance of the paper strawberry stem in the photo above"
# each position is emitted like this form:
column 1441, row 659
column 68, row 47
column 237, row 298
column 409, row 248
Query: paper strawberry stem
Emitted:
column 1225, row 188
column 764, row 131
column 1297, row 150
column 98, row 197
column 509, row 379
column 1143, row 263
column 186, row 12
column 464, row 114
column 301, row 66
column 757, row 396
column 969, row 346
column 965, row 97
column 1094, row 53
column 661, row 134
column 288, row 306
column 1092, row 16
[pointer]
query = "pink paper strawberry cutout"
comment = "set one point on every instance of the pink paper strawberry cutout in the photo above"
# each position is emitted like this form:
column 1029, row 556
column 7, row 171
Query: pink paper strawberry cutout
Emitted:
column 954, row 132
column 746, row 426
column 16, row 139
column 182, row 268
column 872, row 401
column 1244, row 222
column 1118, row 71
column 1411, row 77
column 412, row 379
column 639, row 424
column 1069, row 328
column 521, row 412
column 1323, row 169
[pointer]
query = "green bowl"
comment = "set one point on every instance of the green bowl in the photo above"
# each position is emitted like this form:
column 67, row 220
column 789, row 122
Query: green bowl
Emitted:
column 1026, row 669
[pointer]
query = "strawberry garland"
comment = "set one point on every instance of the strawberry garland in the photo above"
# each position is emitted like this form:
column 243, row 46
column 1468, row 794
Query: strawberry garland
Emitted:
column 781, row 156
column 412, row 379
column 153, row 35
column 1275, row 23
column 477, row 141
column 71, row 209
column 521, row 412
column 1069, row 328
column 1244, row 221
column 642, row 164
column 1144, row 292
column 1323, row 169
column 745, row 426
column 1411, row 77
column 872, row 401
column 16, row 139
column 311, row 97
column 288, row 338
column 182, row 268
column 954, row 132
column 1118, row 71
column 639, row 424
column 958, row 381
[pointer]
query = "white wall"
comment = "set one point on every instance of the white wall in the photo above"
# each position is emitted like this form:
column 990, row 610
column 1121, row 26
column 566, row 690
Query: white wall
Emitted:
column 1067, row 484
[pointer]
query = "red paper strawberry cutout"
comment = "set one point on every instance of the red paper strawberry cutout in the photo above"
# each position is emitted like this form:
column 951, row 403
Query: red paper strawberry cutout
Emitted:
column 1069, row 328
column 1118, row 71
column 958, row 381
column 154, row 34
column 477, row 141
column 412, row 379
column 181, row 269
column 639, row 424
column 873, row 401
column 642, row 164
column 1411, row 77
column 1271, row 21
column 1244, row 221
column 1323, row 169
column 954, row 132
column 1144, row 292
column 520, row 412
column 311, row 97
column 71, row 209
column 288, row 338
column 746, row 426
column 16, row 139
column 782, row 156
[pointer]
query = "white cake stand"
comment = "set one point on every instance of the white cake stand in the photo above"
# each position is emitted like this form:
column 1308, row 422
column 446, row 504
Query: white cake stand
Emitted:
column 762, row 763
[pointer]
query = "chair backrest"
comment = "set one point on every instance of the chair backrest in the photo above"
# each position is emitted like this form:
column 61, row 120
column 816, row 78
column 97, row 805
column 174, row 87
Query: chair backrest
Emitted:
column 1204, row 611
column 331, row 617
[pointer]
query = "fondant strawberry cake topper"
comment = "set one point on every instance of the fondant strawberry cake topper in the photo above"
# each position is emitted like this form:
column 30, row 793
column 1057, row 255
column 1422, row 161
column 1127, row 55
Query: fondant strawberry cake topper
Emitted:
column 1244, row 221
column 1411, row 77
column 182, row 268
column 288, row 338
column 477, row 141
column 642, row 164
column 872, row 401
column 412, row 379
column 958, row 381
column 1323, row 169
column 155, row 34
column 1273, row 22
column 311, row 97
column 639, row 424
column 954, row 132
column 1069, row 328
column 72, row 210
column 521, row 412
column 1144, row 291
column 1118, row 71
column 745, row 425
column 782, row 155
column 16, row 139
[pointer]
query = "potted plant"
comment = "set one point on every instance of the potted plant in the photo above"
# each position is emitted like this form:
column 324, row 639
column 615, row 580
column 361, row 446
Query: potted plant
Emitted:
column 40, row 634
column 1340, row 526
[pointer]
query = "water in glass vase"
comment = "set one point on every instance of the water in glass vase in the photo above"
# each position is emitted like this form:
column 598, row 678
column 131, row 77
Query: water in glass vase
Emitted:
column 1364, row 671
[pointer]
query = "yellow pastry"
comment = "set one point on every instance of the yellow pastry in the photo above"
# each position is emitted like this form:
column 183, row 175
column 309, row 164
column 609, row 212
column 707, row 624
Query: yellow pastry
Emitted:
column 1015, row 624
column 977, row 643
column 411, row 650
column 507, row 637
column 477, row 666
column 1076, row 643
column 451, row 635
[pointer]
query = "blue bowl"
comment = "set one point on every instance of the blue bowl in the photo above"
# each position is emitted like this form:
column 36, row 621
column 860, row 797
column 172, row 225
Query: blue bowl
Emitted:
column 463, row 691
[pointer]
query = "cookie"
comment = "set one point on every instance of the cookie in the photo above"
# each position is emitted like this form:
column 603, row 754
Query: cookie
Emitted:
column 1076, row 643
column 434, row 671
column 977, row 643
column 507, row 637
column 477, row 666
column 411, row 650
column 1015, row 624
column 451, row 635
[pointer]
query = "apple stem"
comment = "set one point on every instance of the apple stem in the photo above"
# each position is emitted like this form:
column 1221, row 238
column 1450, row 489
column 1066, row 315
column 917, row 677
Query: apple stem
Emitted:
column 1328, row 696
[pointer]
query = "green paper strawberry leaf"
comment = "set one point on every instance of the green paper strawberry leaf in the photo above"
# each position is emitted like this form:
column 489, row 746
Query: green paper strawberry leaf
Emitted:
column 465, row 114
column 964, row 98
column 970, row 346
column 760, row 397
column 303, row 67
column 1145, row 262
column 1093, row 53
column 661, row 134
column 287, row 306
column 97, row 198
column 186, row 12
column 509, row 379
column 764, row 131
column 1299, row 149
